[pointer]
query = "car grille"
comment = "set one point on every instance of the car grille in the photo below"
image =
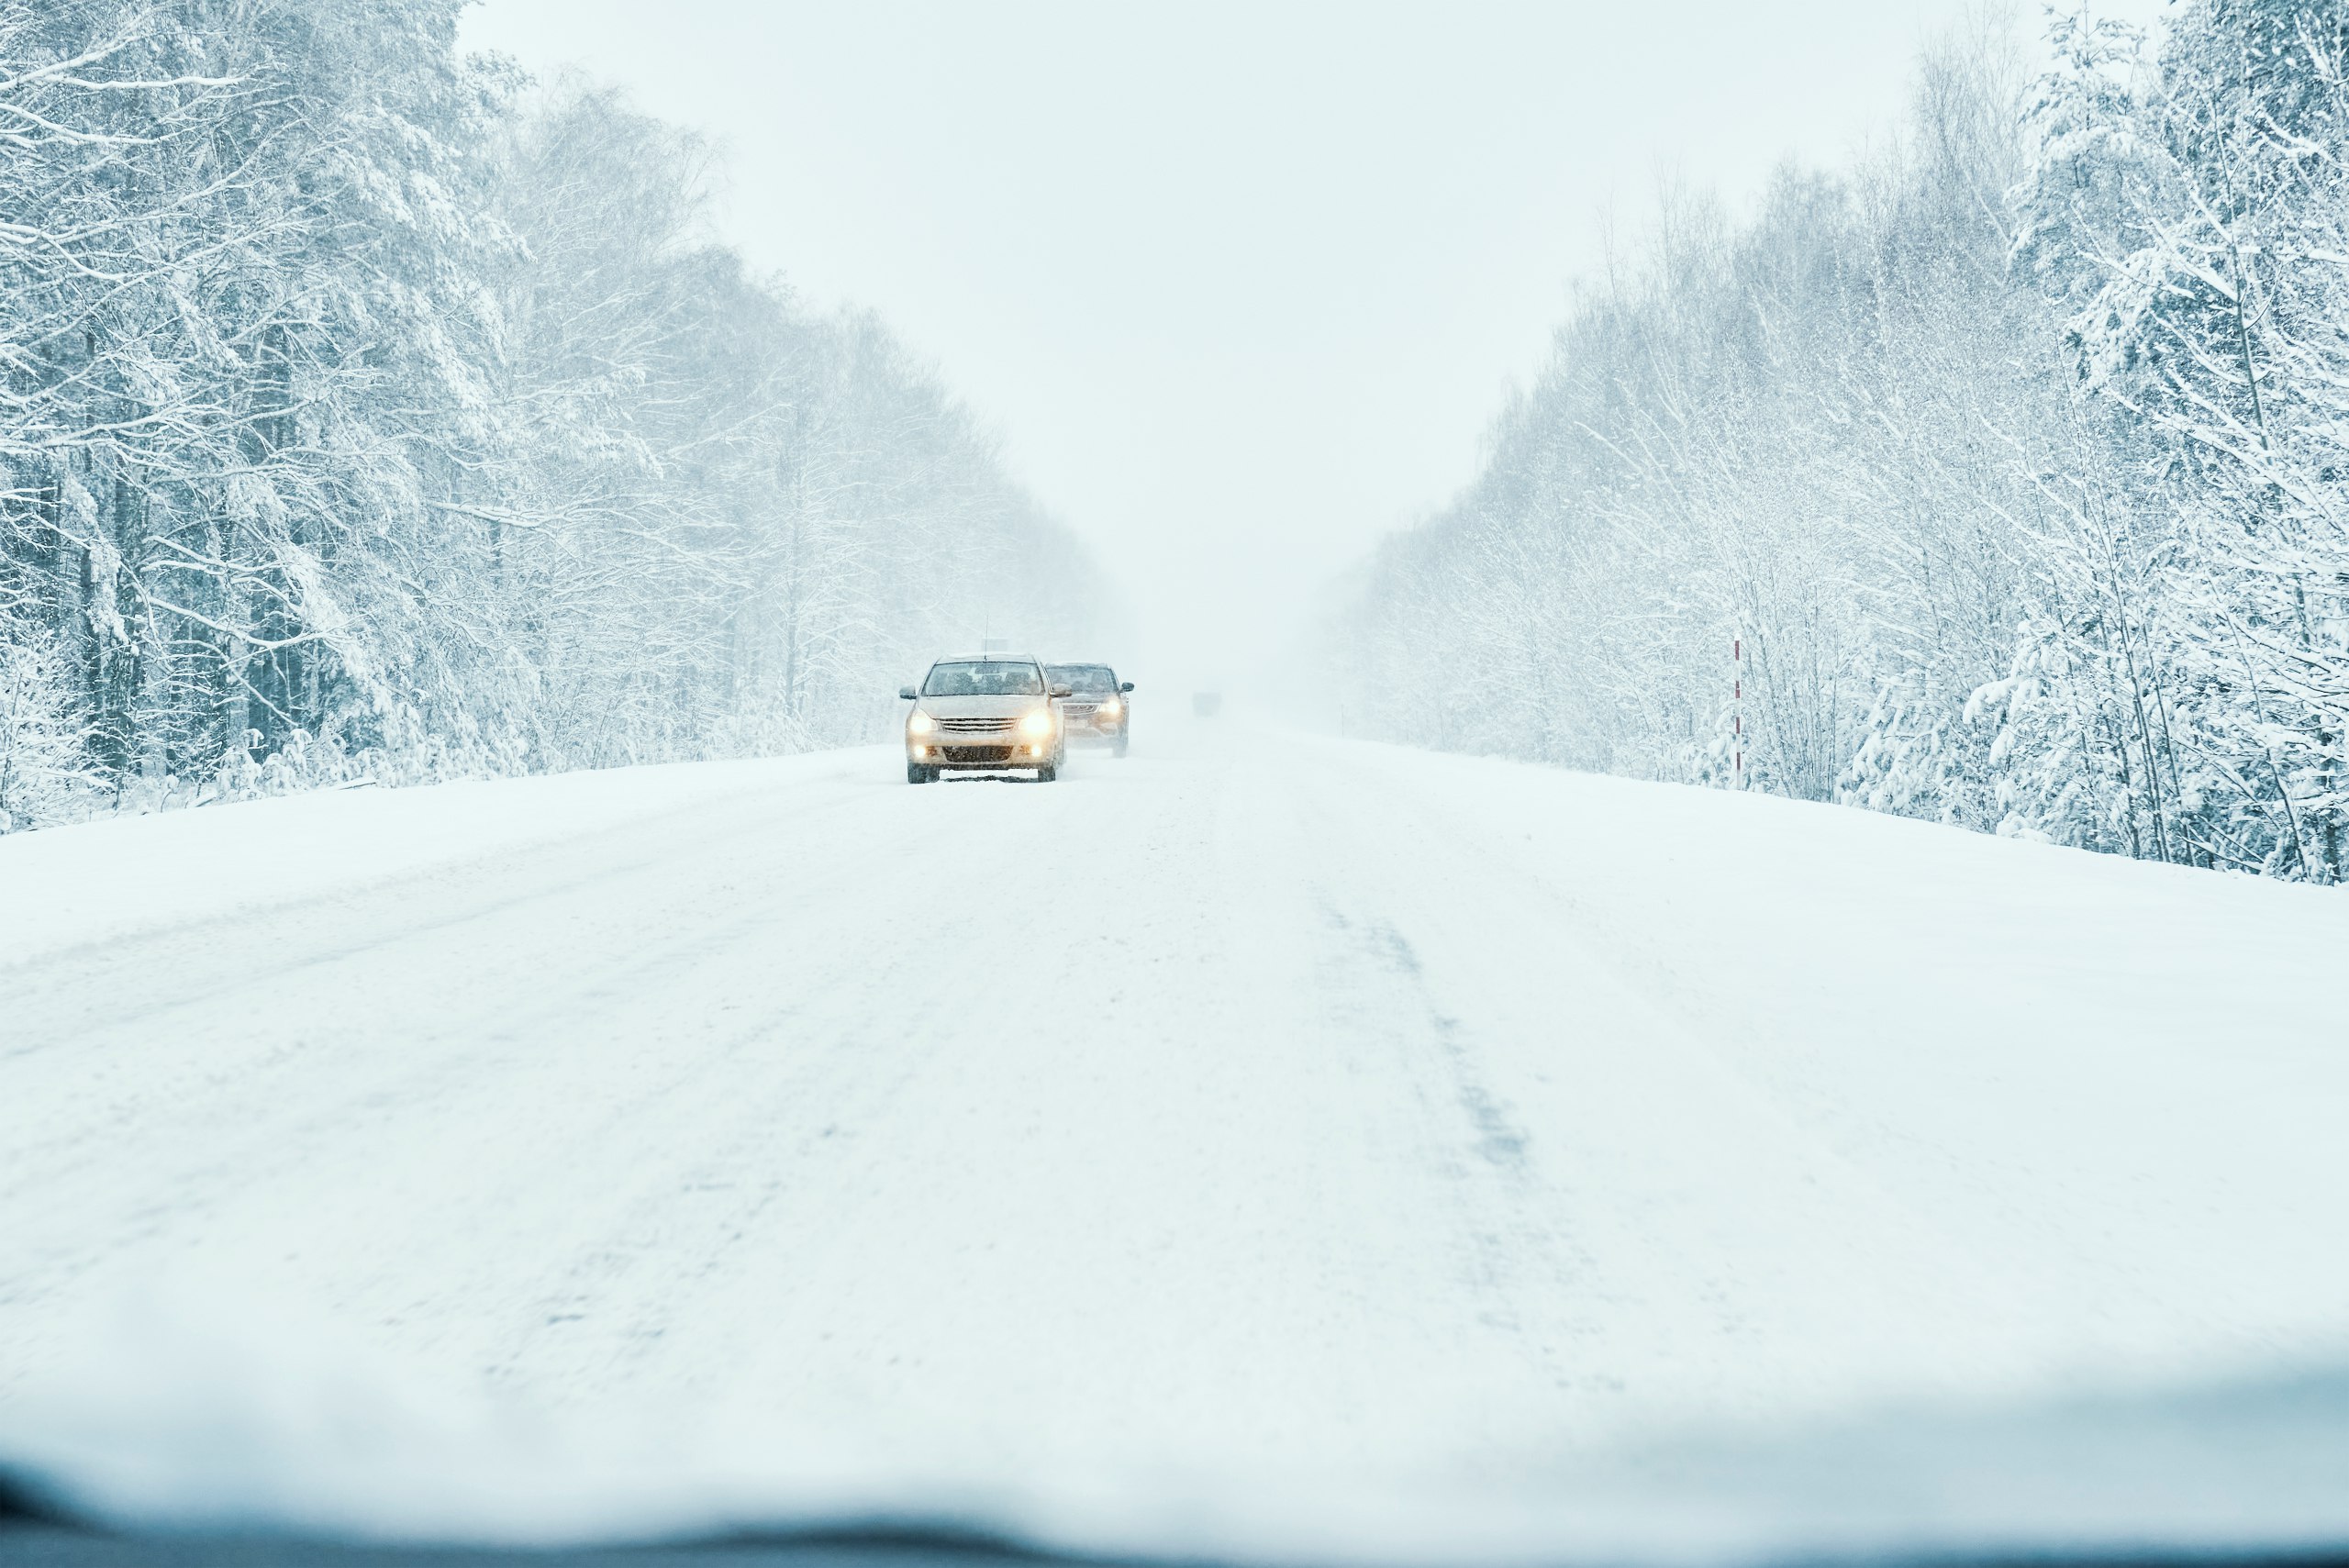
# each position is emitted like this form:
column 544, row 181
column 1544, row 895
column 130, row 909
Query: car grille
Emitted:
column 1079, row 709
column 978, row 753
column 978, row 725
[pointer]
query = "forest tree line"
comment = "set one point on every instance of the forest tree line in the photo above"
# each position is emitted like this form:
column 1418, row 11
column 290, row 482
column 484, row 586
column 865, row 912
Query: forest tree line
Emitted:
column 2014, row 460
column 369, row 412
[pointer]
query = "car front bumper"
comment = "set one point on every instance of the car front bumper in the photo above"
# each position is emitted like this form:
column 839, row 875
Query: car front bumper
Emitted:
column 981, row 756
column 1091, row 724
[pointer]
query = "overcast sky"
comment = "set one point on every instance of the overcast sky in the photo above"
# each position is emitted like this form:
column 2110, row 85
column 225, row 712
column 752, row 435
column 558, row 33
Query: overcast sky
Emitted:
column 1240, row 285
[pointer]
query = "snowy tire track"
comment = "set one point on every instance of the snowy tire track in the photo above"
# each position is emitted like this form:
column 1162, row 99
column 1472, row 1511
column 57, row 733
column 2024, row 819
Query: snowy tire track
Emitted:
column 1253, row 1106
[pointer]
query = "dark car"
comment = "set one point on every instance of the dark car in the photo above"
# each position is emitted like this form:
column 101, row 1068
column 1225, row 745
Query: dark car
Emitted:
column 1097, row 707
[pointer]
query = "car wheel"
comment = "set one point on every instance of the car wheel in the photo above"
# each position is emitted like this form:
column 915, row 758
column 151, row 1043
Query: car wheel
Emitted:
column 917, row 774
column 1120, row 749
column 1049, row 773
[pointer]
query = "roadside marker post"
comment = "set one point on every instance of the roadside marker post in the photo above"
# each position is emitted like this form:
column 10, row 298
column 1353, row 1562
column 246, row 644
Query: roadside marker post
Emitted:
column 1737, row 712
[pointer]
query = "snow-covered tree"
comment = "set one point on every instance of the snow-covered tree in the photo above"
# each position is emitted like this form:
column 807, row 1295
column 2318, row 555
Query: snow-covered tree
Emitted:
column 364, row 410
column 2011, row 458
column 45, row 773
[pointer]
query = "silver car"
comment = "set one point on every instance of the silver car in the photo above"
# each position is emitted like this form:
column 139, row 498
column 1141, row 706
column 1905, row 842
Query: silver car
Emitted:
column 1099, row 708
column 984, row 713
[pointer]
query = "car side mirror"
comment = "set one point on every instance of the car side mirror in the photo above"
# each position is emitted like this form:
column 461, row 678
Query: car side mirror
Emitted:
column 1063, row 691
column 1125, row 685
column 905, row 693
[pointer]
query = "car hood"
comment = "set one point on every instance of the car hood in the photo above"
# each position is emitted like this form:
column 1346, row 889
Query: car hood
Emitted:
column 2236, row 1470
column 977, row 707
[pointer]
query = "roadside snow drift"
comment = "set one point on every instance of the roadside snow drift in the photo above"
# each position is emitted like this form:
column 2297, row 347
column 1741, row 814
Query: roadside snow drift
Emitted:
column 1260, row 1146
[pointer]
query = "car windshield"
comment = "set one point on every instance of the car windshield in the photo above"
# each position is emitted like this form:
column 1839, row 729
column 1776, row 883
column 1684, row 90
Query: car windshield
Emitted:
column 1695, row 929
column 984, row 678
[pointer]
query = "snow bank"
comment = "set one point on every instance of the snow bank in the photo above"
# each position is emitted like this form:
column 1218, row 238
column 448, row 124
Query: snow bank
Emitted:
column 100, row 881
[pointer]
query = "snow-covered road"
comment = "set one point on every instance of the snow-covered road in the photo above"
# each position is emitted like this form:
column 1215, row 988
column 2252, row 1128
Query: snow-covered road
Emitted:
column 1255, row 1105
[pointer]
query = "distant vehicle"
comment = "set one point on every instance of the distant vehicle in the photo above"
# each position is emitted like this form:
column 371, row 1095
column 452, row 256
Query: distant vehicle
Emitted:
column 1206, row 705
column 984, row 713
column 1096, row 708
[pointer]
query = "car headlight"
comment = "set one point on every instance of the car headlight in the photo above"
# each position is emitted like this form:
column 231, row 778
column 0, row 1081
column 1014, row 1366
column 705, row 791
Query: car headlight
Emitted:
column 1111, row 709
column 1038, row 722
column 921, row 723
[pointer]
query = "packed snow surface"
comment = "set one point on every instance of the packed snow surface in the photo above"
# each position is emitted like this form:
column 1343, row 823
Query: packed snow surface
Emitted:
column 1262, row 1144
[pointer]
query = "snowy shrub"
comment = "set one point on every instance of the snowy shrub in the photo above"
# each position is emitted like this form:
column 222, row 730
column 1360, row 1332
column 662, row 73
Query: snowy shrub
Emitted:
column 45, row 775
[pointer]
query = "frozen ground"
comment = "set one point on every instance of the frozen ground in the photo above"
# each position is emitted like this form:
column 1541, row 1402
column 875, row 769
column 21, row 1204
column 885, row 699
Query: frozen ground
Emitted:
column 1264, row 1147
